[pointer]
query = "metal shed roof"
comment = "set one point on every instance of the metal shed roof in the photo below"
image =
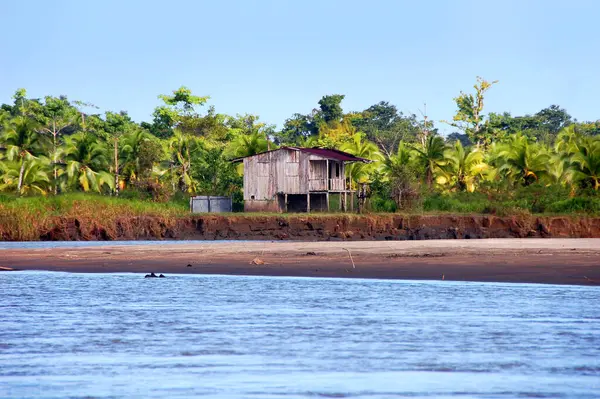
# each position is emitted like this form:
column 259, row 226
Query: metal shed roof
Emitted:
column 321, row 152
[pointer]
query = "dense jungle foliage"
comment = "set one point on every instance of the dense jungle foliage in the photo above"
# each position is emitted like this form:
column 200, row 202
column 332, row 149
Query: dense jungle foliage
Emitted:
column 492, row 163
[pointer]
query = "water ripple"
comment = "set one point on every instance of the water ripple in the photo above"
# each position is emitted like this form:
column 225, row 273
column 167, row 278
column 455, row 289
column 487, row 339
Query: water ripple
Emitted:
column 116, row 336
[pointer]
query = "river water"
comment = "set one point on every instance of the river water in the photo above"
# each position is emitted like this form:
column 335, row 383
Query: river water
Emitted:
column 65, row 335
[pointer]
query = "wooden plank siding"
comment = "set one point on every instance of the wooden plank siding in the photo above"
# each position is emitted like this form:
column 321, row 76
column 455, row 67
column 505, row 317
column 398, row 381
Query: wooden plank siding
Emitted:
column 318, row 174
column 337, row 184
column 288, row 171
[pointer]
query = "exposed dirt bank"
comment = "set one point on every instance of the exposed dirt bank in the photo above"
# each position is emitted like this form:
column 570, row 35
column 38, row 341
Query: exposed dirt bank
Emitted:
column 312, row 227
column 552, row 261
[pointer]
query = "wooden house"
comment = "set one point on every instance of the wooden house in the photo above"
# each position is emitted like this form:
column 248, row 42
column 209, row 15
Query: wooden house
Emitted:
column 295, row 179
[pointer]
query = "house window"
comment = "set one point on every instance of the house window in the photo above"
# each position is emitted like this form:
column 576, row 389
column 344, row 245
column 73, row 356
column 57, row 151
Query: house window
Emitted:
column 337, row 170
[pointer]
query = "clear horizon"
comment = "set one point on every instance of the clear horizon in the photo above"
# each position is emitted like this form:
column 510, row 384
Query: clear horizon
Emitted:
column 277, row 58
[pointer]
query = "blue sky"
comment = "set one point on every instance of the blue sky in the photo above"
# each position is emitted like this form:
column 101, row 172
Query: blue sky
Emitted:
column 275, row 58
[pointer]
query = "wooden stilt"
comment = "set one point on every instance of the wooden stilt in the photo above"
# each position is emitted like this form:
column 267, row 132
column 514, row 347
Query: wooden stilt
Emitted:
column 345, row 201
column 308, row 203
column 327, row 175
column 327, row 200
column 285, row 205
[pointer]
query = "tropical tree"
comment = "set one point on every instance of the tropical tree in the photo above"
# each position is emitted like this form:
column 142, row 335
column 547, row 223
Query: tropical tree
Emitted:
column 469, row 116
column 403, row 156
column 430, row 157
column 59, row 116
column 464, row 167
column 295, row 129
column 308, row 142
column 133, row 147
column 215, row 173
column 86, row 161
column 182, row 149
column 245, row 145
column 359, row 173
column 521, row 160
column 586, row 163
column 400, row 174
column 383, row 124
column 558, row 170
column 337, row 134
column 26, row 178
column 567, row 141
column 178, row 111
column 116, row 125
column 22, row 143
column 331, row 108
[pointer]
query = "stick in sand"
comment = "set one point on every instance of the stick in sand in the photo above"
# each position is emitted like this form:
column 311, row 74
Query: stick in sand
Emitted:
column 352, row 260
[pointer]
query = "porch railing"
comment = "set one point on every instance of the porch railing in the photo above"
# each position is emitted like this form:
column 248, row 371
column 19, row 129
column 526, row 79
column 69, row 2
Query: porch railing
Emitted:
column 326, row 185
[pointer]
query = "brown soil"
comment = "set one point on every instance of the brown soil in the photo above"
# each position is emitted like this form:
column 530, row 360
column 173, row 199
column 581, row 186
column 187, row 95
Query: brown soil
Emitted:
column 314, row 227
column 552, row 261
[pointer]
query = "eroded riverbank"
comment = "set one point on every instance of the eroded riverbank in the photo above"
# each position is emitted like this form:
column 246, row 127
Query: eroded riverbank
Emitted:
column 304, row 227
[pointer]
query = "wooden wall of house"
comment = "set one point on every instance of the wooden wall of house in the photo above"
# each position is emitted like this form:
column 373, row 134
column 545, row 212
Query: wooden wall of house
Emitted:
column 317, row 173
column 304, row 172
column 332, row 170
column 273, row 205
column 291, row 179
column 274, row 172
column 338, row 182
column 288, row 171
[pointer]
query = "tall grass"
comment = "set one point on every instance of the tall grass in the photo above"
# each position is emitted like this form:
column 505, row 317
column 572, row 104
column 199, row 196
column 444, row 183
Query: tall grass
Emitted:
column 534, row 199
column 28, row 217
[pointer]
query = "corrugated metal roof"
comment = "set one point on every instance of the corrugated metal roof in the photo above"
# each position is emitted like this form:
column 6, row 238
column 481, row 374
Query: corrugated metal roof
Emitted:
column 333, row 154
column 321, row 152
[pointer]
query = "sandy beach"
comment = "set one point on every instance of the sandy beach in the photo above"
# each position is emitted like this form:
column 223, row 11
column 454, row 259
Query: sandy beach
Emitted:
column 551, row 261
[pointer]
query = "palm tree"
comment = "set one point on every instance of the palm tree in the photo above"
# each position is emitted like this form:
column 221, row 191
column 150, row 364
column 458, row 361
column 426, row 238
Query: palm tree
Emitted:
column 522, row 160
column 430, row 156
column 399, row 171
column 567, row 141
column 132, row 144
column 182, row 148
column 464, row 168
column 586, row 162
column 22, row 143
column 308, row 142
column 86, row 159
column 30, row 177
column 403, row 156
column 558, row 169
column 245, row 145
column 359, row 147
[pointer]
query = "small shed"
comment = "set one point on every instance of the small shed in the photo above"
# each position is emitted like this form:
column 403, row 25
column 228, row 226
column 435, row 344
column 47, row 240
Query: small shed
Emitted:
column 210, row 204
column 295, row 179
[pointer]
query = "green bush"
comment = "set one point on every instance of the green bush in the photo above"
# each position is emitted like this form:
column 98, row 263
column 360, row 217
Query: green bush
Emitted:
column 456, row 202
column 133, row 194
column 576, row 205
column 7, row 198
column 533, row 199
column 379, row 204
column 538, row 197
